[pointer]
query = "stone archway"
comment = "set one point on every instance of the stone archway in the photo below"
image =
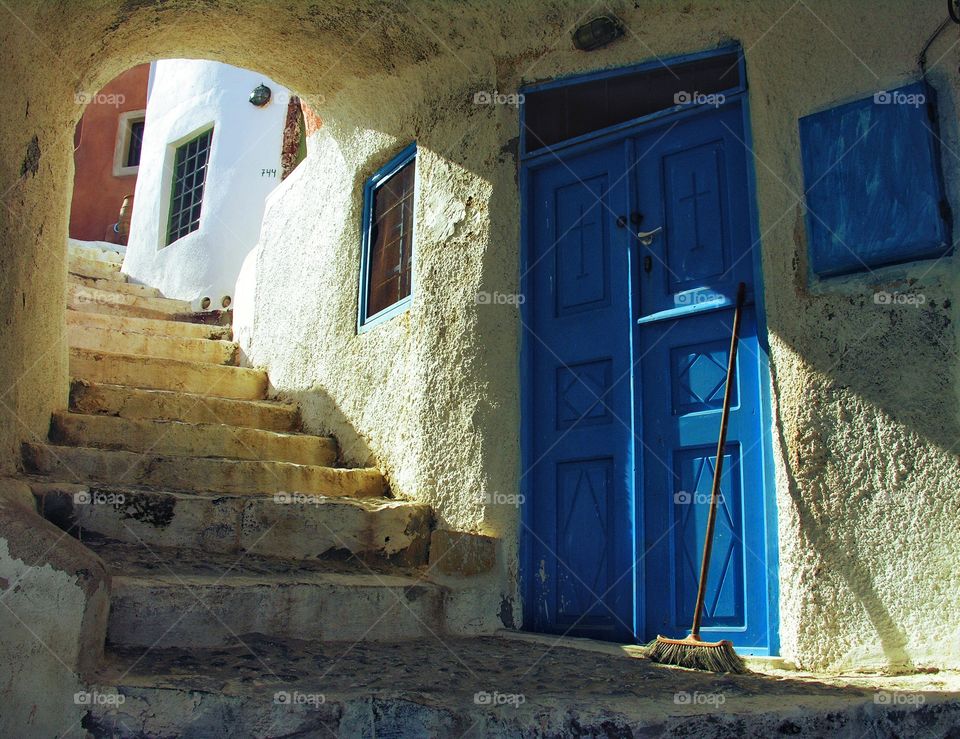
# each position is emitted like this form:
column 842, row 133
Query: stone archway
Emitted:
column 52, row 54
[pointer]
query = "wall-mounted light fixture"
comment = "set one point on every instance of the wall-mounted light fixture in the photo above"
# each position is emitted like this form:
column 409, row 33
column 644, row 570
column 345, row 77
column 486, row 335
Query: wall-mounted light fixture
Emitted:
column 260, row 95
column 597, row 33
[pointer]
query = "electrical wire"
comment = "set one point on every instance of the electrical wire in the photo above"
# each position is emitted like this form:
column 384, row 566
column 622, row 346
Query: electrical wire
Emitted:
column 922, row 58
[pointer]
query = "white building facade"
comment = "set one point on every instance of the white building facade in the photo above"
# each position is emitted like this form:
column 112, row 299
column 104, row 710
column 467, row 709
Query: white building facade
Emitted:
column 210, row 157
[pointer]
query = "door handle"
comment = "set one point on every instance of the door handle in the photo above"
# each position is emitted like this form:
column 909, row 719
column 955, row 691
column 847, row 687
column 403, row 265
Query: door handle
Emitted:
column 646, row 237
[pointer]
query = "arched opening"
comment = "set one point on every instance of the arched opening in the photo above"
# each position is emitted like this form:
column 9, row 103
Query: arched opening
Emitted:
column 174, row 161
column 373, row 391
column 38, row 151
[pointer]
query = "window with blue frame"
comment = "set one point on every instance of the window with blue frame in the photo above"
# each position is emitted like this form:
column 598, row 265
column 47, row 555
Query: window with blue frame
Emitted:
column 386, row 269
column 873, row 183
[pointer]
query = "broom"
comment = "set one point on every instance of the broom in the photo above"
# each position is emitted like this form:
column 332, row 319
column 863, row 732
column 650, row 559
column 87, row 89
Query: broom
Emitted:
column 693, row 652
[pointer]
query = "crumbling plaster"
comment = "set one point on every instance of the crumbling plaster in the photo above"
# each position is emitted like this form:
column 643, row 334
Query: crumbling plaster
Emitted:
column 53, row 617
column 865, row 396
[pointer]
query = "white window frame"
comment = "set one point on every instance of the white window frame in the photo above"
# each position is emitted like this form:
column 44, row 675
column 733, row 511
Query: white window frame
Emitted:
column 166, row 183
column 121, row 149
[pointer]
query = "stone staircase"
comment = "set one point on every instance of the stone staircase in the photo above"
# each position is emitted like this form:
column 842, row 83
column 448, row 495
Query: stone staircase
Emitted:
column 215, row 515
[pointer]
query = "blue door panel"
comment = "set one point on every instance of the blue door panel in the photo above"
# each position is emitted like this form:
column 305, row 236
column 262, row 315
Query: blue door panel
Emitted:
column 580, row 531
column 584, row 521
column 696, row 249
column 681, row 427
column 582, row 261
column 692, row 182
column 693, row 473
column 698, row 377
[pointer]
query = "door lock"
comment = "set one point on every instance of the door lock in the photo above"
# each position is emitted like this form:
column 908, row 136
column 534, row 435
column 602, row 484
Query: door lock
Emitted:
column 647, row 263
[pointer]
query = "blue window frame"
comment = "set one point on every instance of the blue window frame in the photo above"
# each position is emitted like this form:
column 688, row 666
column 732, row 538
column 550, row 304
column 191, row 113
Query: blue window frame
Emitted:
column 873, row 182
column 386, row 261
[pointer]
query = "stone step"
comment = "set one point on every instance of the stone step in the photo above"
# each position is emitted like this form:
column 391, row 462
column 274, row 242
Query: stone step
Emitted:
column 95, row 252
column 291, row 527
column 168, row 374
column 96, row 268
column 152, row 326
column 115, row 341
column 93, row 300
column 167, row 405
column 200, row 474
column 177, row 597
column 190, row 439
column 129, row 288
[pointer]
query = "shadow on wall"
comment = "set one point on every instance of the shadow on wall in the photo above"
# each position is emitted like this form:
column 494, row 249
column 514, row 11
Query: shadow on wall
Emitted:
column 866, row 421
column 817, row 534
column 322, row 415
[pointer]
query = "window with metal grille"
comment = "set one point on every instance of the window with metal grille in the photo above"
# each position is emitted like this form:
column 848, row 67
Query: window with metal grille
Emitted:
column 189, row 176
column 387, row 262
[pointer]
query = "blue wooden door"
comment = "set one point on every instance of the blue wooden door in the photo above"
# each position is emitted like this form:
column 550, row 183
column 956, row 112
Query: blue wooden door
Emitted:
column 626, row 347
column 691, row 182
column 580, row 528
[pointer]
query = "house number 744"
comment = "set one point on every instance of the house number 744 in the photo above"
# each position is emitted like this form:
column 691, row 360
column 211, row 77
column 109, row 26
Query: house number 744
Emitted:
column 268, row 173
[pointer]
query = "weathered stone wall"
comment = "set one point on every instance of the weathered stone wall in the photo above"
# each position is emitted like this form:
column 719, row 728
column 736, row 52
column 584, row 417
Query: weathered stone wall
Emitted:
column 53, row 618
column 865, row 396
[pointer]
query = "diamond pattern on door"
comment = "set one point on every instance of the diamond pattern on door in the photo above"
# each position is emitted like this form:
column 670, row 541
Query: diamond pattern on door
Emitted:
column 698, row 376
column 693, row 473
column 583, row 526
column 582, row 393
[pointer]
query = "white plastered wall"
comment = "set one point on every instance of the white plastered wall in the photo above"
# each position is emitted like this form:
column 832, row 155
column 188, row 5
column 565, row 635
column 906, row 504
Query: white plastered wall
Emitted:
column 185, row 98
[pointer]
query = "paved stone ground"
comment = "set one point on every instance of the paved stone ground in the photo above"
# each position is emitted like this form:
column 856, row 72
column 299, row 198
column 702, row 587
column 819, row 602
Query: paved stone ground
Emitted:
column 495, row 686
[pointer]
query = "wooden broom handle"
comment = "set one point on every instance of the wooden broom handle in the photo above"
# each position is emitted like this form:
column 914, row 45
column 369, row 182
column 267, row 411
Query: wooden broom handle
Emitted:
column 718, row 467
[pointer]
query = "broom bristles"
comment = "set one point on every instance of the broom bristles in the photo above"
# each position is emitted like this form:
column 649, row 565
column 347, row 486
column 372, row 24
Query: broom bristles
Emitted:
column 698, row 655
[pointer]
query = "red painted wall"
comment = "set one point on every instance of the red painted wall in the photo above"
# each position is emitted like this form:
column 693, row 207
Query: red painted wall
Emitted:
column 97, row 194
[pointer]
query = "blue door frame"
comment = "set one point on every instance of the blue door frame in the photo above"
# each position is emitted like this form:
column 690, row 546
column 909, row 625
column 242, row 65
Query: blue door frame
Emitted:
column 530, row 163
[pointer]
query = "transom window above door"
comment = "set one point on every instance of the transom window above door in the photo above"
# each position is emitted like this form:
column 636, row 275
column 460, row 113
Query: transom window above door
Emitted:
column 563, row 110
column 189, row 178
column 386, row 269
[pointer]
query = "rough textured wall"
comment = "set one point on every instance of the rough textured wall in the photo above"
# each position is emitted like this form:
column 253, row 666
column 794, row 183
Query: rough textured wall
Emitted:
column 53, row 619
column 865, row 396
column 433, row 394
